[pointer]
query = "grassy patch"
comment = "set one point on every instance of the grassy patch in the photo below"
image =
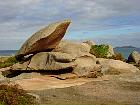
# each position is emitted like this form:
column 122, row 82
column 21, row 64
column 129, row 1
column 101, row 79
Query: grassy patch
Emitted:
column 13, row 95
column 100, row 51
column 8, row 62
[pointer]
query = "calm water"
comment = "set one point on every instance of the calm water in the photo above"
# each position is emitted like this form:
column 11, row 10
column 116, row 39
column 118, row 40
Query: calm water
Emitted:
column 124, row 51
column 7, row 52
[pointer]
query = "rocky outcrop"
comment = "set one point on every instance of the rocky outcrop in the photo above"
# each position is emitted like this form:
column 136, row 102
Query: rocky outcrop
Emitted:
column 85, row 66
column 110, row 66
column 51, row 61
column 44, row 40
column 134, row 57
column 67, row 59
column 76, row 49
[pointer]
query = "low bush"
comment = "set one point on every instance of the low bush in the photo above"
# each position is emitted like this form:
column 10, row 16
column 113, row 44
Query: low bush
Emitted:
column 13, row 95
column 8, row 62
column 100, row 51
column 117, row 56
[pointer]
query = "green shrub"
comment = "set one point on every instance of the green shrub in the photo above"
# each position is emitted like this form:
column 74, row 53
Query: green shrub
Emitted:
column 13, row 95
column 117, row 56
column 100, row 51
column 9, row 62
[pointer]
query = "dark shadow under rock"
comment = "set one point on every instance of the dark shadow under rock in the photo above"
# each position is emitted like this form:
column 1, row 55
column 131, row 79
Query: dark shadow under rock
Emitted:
column 12, row 73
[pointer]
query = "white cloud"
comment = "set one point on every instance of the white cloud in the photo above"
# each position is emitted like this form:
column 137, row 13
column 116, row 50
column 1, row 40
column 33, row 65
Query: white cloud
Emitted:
column 21, row 18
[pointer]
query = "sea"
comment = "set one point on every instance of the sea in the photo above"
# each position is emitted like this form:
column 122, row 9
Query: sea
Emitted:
column 125, row 51
column 7, row 52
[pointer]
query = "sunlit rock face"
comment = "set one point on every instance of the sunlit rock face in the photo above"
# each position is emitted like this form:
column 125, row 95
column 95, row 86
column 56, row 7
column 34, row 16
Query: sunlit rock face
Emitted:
column 44, row 40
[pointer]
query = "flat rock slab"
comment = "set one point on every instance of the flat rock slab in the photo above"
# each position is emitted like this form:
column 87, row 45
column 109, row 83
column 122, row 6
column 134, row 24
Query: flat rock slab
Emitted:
column 47, row 82
column 110, row 90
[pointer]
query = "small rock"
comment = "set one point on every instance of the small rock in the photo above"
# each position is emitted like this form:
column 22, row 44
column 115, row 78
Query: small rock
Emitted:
column 134, row 57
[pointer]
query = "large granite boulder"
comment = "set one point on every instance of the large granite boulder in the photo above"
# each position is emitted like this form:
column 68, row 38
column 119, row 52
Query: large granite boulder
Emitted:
column 110, row 66
column 134, row 57
column 86, row 67
column 51, row 61
column 76, row 49
column 44, row 40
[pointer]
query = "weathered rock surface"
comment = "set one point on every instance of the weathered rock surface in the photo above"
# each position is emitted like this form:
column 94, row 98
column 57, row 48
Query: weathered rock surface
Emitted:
column 110, row 51
column 66, row 76
column 110, row 66
column 74, row 48
column 134, row 57
column 5, row 69
column 51, row 61
column 20, row 66
column 89, row 42
column 86, row 67
column 89, row 72
column 44, row 40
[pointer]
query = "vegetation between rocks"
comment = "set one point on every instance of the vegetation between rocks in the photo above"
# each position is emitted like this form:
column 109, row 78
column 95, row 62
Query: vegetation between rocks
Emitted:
column 8, row 62
column 100, row 51
column 13, row 95
column 117, row 56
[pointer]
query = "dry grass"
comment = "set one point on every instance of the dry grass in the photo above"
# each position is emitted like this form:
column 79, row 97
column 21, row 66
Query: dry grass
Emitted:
column 8, row 62
column 14, row 95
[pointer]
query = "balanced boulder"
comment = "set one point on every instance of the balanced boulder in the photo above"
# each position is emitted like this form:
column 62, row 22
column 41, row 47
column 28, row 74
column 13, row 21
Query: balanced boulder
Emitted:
column 44, row 40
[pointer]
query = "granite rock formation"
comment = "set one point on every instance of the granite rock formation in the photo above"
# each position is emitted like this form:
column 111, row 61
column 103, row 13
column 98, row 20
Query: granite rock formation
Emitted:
column 44, row 40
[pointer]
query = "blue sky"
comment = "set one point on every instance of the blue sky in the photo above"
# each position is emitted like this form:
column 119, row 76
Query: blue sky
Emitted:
column 115, row 22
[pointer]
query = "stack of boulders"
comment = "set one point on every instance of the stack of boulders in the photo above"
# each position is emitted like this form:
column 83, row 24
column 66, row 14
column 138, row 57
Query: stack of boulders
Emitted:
column 45, row 51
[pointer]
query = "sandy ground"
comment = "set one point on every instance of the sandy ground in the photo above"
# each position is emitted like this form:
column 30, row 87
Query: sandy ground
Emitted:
column 47, row 82
column 93, row 93
column 106, row 90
